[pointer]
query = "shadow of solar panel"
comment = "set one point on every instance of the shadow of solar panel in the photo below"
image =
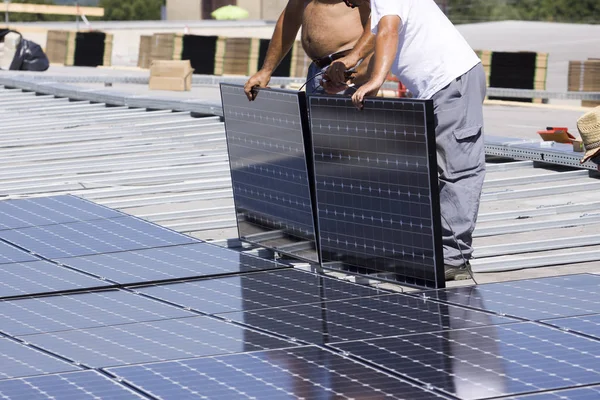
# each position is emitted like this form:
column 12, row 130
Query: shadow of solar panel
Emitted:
column 165, row 263
column 269, row 170
column 79, row 311
column 73, row 385
column 297, row 373
column 19, row 361
column 38, row 277
column 40, row 211
column 10, row 254
column 585, row 393
column 376, row 188
column 587, row 325
column 93, row 237
column 363, row 318
column 154, row 341
column 256, row 291
column 532, row 299
column 487, row 362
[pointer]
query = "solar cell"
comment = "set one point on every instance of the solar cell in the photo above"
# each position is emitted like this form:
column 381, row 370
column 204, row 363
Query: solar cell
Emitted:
column 93, row 237
column 487, row 362
column 154, row 341
column 533, row 299
column 266, row 141
column 19, row 361
column 11, row 254
column 79, row 311
column 588, row 325
column 585, row 393
column 73, row 385
column 376, row 188
column 336, row 321
column 37, row 277
column 40, row 211
column 297, row 373
column 256, row 291
column 174, row 262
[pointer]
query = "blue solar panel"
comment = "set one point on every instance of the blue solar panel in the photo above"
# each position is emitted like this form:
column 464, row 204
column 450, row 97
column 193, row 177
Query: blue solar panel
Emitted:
column 37, row 277
column 154, row 341
column 79, row 311
column 585, row 393
column 18, row 360
column 93, row 237
column 298, row 373
column 74, row 385
column 11, row 254
column 588, row 324
column 174, row 262
column 39, row 211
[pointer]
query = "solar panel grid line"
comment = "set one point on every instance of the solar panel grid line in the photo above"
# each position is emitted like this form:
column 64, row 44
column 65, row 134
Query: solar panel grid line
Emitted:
column 383, row 161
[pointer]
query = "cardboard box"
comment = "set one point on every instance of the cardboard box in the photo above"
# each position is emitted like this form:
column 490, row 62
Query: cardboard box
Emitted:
column 175, row 75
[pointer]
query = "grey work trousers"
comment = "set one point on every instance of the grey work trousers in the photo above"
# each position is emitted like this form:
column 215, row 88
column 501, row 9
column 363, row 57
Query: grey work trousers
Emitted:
column 458, row 110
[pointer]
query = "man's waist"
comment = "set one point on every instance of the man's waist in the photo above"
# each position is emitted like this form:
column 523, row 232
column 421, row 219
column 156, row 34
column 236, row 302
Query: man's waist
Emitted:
column 327, row 60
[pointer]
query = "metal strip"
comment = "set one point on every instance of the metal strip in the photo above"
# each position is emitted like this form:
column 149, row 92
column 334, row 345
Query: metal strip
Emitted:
column 502, row 265
column 537, row 226
column 542, row 245
column 508, row 166
column 545, row 191
column 536, row 212
column 533, row 179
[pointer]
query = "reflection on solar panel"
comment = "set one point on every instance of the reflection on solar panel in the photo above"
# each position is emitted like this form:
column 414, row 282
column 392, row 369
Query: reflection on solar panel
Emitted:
column 376, row 188
column 37, row 277
column 93, row 237
column 79, row 311
column 487, row 362
column 39, row 211
column 11, row 254
column 154, row 341
column 256, row 291
column 19, row 361
column 533, row 299
column 586, row 393
column 74, row 385
column 300, row 373
column 271, row 183
column 364, row 318
column 588, row 325
column 174, row 262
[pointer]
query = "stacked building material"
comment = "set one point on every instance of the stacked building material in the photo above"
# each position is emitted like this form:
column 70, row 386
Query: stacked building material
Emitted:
column 515, row 70
column 584, row 76
column 60, row 47
column 166, row 46
column 201, row 51
column 144, row 59
column 92, row 49
column 236, row 56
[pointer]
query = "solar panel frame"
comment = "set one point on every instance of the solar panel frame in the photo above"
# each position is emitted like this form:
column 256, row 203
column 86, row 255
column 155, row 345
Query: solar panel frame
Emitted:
column 288, row 229
column 588, row 325
column 381, row 133
column 10, row 254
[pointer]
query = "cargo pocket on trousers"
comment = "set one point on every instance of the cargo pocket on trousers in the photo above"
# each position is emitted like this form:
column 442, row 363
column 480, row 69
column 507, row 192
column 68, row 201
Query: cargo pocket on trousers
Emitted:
column 467, row 154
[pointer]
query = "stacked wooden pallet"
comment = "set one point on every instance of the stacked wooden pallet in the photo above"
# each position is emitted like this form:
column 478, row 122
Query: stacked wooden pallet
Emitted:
column 60, row 47
column 144, row 58
column 166, row 46
column 86, row 49
column 584, row 76
column 515, row 70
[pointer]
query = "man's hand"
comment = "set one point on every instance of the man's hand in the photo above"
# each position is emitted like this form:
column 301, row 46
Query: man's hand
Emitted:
column 336, row 75
column 260, row 79
column 368, row 89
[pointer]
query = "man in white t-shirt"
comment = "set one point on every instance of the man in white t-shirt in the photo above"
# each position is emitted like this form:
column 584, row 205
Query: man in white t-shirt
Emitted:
column 418, row 44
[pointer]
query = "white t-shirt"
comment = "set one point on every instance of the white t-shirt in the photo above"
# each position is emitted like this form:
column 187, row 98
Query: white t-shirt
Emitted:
column 431, row 51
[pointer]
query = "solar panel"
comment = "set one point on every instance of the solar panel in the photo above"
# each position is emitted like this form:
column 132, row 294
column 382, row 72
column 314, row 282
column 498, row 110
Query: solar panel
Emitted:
column 11, row 254
column 376, row 188
column 363, row 318
column 154, row 341
column 37, row 277
column 40, row 211
column 298, row 373
column 174, row 262
column 19, row 361
column 93, row 237
column 487, row 362
column 269, row 169
column 73, row 385
column 533, row 299
column 585, row 393
column 79, row 311
column 256, row 291
column 588, row 325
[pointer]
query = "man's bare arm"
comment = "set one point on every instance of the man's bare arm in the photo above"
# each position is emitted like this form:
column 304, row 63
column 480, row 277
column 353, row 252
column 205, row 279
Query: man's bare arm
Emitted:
column 285, row 33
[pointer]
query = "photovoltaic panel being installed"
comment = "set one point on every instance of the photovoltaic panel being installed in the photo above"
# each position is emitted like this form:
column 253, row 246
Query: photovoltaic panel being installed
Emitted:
column 376, row 188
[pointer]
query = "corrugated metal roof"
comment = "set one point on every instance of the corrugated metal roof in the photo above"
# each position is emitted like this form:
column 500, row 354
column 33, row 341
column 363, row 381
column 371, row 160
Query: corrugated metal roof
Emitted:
column 171, row 168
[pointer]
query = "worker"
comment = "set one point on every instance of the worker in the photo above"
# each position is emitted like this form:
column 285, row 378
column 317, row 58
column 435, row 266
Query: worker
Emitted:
column 329, row 31
column 589, row 129
column 419, row 44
